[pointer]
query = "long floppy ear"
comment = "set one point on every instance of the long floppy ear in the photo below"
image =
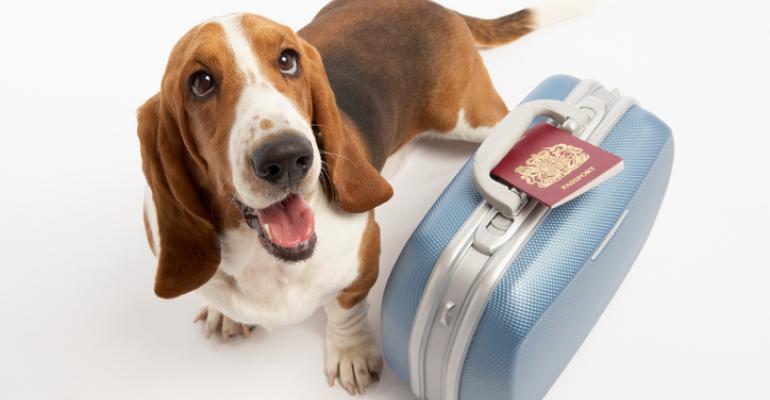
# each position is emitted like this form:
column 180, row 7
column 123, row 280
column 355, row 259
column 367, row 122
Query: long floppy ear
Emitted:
column 189, row 247
column 357, row 186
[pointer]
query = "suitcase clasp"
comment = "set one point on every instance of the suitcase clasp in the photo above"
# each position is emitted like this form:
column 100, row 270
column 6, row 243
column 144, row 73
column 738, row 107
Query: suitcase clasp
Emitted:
column 494, row 231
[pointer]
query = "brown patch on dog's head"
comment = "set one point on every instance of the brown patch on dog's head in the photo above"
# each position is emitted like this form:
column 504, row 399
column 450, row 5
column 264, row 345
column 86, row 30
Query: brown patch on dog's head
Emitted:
column 266, row 124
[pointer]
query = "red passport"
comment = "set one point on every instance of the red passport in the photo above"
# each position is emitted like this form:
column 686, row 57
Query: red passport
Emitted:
column 554, row 167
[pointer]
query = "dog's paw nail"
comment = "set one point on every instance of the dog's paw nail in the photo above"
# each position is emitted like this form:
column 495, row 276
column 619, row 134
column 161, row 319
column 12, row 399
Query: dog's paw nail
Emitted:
column 201, row 315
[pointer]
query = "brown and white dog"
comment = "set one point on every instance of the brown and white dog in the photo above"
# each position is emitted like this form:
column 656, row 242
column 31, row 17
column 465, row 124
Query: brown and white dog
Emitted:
column 264, row 147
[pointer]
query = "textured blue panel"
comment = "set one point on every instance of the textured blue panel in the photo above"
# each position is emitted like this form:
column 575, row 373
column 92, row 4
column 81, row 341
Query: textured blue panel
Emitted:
column 558, row 251
column 553, row 340
column 411, row 272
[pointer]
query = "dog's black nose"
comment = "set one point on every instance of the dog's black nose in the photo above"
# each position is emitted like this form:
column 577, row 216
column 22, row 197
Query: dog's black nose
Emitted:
column 283, row 161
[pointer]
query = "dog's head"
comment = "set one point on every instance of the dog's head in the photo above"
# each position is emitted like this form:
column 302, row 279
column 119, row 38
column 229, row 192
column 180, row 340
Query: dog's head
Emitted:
column 246, row 115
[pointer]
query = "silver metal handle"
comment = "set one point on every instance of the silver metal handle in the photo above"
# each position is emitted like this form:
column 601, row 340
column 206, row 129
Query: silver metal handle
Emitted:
column 505, row 135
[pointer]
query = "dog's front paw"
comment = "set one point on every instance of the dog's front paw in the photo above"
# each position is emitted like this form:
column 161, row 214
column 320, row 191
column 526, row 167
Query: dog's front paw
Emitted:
column 356, row 366
column 214, row 321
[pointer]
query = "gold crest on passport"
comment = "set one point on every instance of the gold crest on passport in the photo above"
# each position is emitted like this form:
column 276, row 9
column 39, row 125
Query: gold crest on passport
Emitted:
column 552, row 164
column 553, row 167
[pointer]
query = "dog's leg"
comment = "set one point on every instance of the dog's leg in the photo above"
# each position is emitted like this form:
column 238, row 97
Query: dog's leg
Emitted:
column 482, row 108
column 352, row 354
column 464, row 131
column 214, row 321
column 471, row 115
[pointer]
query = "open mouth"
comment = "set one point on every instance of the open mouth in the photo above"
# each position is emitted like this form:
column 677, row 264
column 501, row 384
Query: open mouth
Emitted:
column 286, row 229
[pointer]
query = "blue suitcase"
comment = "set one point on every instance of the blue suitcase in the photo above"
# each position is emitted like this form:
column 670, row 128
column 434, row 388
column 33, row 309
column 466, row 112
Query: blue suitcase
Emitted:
column 494, row 293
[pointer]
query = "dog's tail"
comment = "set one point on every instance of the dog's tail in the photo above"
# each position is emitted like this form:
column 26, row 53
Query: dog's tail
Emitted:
column 491, row 33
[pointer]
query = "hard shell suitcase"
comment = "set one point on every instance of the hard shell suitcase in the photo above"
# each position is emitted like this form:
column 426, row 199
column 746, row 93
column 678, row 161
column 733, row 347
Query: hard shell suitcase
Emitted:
column 494, row 293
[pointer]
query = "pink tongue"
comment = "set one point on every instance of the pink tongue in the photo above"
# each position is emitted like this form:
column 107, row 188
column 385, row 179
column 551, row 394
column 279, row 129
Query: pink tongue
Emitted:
column 290, row 222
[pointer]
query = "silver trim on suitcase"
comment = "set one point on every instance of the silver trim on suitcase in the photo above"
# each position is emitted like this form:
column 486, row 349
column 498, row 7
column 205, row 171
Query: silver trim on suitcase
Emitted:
column 475, row 259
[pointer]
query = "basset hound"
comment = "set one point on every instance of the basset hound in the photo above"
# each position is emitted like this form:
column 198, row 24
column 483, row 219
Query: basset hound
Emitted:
column 263, row 151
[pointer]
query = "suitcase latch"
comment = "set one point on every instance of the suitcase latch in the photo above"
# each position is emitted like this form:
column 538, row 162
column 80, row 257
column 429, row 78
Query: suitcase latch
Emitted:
column 494, row 231
column 447, row 313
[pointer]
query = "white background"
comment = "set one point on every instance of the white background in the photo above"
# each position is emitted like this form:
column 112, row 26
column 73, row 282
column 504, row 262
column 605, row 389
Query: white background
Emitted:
column 78, row 318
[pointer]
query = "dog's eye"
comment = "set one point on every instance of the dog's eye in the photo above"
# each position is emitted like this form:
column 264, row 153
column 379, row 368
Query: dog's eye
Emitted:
column 202, row 84
column 288, row 62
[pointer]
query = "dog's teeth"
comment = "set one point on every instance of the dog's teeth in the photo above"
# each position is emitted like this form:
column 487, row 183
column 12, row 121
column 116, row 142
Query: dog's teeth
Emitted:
column 267, row 232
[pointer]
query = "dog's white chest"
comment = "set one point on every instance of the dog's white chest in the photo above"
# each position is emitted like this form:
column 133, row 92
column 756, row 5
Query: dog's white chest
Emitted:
column 254, row 287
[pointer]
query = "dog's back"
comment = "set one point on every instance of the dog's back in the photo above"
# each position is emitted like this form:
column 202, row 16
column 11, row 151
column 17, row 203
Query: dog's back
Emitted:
column 403, row 67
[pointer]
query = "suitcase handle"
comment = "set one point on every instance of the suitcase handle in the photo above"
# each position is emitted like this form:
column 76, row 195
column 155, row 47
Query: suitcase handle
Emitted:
column 505, row 135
